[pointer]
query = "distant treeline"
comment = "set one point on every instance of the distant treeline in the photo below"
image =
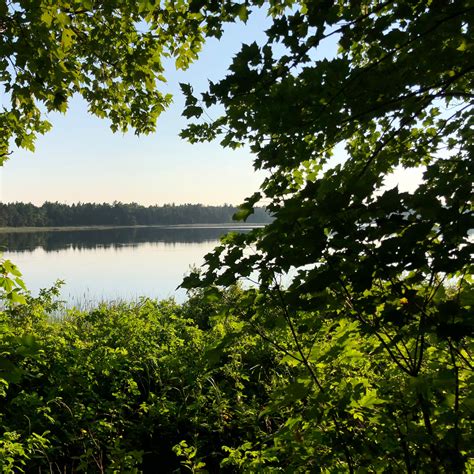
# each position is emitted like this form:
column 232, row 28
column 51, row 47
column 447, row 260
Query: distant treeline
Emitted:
column 20, row 214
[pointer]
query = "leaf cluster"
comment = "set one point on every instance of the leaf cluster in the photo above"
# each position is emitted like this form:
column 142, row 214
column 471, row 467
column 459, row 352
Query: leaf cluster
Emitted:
column 110, row 53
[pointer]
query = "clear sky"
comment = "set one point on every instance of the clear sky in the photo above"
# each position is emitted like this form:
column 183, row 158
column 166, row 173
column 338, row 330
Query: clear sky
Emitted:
column 82, row 160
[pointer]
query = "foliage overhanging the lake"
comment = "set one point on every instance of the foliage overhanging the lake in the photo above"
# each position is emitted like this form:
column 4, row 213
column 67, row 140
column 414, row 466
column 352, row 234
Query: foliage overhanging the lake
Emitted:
column 110, row 53
column 392, row 267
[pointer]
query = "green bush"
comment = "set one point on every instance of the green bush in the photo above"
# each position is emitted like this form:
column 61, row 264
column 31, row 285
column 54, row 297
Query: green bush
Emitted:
column 228, row 381
column 118, row 388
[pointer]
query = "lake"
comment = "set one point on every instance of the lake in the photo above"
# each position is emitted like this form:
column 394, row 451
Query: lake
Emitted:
column 112, row 263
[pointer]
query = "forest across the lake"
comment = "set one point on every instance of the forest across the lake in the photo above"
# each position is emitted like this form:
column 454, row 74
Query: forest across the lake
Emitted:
column 19, row 214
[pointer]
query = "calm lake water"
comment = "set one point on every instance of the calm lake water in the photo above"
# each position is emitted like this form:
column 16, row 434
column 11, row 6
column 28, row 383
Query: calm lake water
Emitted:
column 111, row 264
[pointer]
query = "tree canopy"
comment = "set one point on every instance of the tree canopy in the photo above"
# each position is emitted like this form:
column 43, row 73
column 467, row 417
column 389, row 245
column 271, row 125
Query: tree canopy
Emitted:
column 111, row 53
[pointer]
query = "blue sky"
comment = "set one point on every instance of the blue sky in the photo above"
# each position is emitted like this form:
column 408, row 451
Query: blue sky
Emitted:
column 82, row 160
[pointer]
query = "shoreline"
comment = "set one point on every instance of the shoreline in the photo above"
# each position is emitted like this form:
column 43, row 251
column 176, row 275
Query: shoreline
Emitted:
column 18, row 230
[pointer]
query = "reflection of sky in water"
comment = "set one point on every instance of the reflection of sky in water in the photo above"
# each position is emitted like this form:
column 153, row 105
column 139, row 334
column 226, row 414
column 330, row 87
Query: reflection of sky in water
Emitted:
column 129, row 271
column 110, row 264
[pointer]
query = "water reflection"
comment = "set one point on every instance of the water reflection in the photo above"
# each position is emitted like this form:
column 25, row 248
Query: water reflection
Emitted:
column 111, row 264
column 111, row 238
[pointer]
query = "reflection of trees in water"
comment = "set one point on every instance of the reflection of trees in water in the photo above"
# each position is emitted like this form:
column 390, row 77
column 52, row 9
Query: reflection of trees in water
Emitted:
column 106, row 238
